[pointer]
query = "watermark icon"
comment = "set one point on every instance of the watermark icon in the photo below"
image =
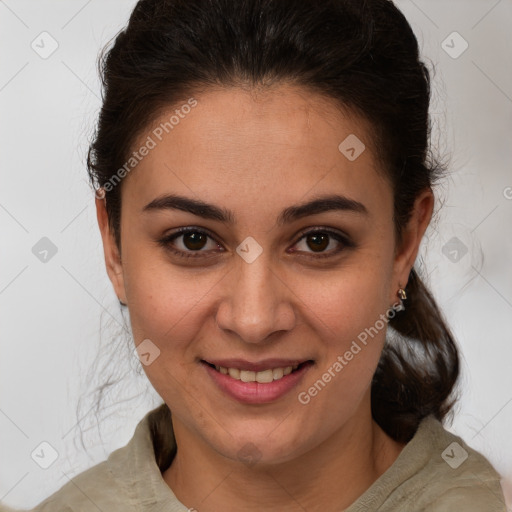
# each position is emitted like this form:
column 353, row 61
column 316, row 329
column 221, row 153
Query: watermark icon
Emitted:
column 351, row 147
column 249, row 249
column 454, row 249
column 147, row 352
column 454, row 455
column 454, row 45
column 150, row 143
column 44, row 250
column 45, row 45
column 249, row 454
column 304, row 397
column 507, row 192
column 44, row 455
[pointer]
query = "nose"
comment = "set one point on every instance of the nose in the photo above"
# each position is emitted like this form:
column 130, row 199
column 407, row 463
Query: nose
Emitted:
column 256, row 303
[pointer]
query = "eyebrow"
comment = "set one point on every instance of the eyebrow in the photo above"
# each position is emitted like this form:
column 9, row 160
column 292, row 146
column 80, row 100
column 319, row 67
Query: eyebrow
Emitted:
column 332, row 202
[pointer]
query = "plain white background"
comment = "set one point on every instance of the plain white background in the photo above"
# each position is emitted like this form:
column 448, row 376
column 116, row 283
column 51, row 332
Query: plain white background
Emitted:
column 52, row 313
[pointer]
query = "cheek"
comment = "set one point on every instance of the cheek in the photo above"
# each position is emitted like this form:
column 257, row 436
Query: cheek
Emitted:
column 161, row 296
column 347, row 301
column 165, row 302
column 349, row 310
column 354, row 334
column 169, row 307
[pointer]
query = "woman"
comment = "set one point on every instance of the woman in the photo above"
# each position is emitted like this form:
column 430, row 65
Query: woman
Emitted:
column 264, row 181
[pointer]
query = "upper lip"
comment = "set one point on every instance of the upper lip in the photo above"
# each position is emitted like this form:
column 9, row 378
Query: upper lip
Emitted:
column 256, row 366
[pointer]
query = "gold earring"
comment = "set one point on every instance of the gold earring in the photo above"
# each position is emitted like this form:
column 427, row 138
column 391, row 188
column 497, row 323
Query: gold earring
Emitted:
column 402, row 294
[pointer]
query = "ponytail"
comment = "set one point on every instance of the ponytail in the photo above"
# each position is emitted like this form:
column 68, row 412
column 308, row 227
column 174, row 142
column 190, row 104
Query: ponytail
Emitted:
column 418, row 368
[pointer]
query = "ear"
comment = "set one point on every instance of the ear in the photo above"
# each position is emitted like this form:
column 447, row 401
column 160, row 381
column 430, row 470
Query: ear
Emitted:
column 412, row 234
column 110, row 250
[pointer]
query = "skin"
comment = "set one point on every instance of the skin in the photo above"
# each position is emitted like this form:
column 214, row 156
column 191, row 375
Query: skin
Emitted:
column 256, row 153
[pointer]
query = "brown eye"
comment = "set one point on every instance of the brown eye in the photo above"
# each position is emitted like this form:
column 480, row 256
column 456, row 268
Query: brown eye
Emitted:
column 194, row 240
column 193, row 243
column 318, row 242
column 315, row 243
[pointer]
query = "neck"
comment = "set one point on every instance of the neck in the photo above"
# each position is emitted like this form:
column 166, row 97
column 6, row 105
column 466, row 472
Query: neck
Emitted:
column 331, row 476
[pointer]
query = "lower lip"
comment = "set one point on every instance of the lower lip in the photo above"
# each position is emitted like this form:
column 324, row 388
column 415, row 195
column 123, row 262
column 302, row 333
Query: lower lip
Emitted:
column 256, row 392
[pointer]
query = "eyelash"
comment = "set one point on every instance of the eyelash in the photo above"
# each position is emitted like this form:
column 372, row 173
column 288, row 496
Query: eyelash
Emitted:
column 166, row 242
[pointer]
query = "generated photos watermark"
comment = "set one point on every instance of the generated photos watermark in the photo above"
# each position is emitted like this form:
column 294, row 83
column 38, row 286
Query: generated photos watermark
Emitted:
column 150, row 143
column 337, row 366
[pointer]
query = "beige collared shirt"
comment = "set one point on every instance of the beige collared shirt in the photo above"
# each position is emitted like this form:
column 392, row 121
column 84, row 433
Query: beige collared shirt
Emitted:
column 431, row 474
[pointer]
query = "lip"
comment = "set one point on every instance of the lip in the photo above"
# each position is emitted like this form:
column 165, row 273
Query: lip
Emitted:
column 258, row 366
column 256, row 392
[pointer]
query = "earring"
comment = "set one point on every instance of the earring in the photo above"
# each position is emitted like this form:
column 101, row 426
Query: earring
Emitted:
column 401, row 293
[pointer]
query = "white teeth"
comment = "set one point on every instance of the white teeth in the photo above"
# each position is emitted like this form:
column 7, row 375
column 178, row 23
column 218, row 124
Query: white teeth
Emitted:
column 234, row 372
column 277, row 373
column 247, row 376
column 266, row 376
column 262, row 377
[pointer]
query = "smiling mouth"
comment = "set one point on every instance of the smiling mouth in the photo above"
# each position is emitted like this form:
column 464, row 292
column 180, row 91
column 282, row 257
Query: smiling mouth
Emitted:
column 262, row 377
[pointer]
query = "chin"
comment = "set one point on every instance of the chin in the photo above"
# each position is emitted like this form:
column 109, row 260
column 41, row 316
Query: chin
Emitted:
column 263, row 447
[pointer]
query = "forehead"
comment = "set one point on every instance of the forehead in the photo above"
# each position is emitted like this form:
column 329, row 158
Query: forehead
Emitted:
column 235, row 145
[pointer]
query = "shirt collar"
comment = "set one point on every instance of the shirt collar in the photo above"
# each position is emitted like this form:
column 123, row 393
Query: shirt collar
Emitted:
column 138, row 466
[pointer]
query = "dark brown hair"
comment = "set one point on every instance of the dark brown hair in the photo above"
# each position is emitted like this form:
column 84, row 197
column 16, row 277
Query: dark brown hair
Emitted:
column 360, row 53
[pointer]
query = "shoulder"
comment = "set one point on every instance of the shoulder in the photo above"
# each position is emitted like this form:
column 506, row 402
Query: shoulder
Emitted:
column 111, row 485
column 454, row 476
column 86, row 491
column 83, row 493
column 436, row 471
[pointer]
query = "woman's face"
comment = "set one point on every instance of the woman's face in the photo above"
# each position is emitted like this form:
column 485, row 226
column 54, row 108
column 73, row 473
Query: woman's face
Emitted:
column 251, row 286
